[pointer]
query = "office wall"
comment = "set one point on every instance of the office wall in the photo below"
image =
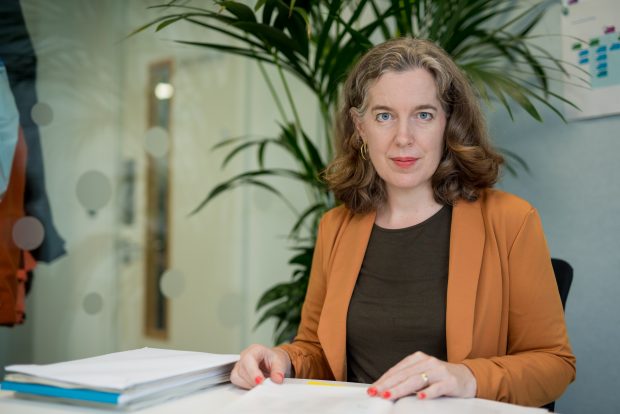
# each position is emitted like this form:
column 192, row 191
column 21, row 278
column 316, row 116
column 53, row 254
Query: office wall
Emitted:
column 574, row 185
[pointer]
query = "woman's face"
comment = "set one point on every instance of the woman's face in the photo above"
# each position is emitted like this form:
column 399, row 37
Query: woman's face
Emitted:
column 403, row 127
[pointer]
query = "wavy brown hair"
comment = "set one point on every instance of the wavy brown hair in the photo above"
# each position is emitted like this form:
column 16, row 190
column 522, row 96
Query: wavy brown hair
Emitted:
column 469, row 163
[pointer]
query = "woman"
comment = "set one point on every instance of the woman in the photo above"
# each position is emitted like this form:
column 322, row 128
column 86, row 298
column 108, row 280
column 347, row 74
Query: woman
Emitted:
column 425, row 280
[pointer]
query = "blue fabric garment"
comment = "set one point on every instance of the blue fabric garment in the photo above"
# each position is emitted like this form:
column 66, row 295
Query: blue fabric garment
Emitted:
column 21, row 62
column 9, row 124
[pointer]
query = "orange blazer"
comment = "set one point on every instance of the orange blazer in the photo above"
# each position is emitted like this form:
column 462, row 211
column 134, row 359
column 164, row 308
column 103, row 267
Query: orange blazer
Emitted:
column 504, row 317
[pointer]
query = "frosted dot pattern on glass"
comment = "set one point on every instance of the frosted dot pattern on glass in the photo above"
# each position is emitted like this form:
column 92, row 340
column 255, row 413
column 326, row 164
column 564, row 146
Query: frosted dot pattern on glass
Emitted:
column 93, row 303
column 156, row 142
column 172, row 283
column 93, row 190
column 42, row 114
column 28, row 233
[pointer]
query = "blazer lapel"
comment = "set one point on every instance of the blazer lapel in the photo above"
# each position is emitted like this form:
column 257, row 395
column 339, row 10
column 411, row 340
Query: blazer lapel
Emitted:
column 467, row 239
column 348, row 256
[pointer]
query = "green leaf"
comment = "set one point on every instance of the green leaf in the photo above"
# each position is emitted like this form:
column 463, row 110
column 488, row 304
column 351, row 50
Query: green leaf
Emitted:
column 278, row 311
column 334, row 9
column 288, row 138
column 516, row 158
column 287, row 333
column 519, row 94
column 146, row 26
column 247, row 178
column 167, row 23
column 238, row 149
column 231, row 49
column 260, row 154
column 315, row 159
column 273, row 294
column 228, row 141
column 302, row 259
column 270, row 6
column 298, row 28
column 259, row 4
column 273, row 38
column 278, row 42
column 313, row 209
column 385, row 31
column 500, row 95
column 228, row 33
column 239, row 10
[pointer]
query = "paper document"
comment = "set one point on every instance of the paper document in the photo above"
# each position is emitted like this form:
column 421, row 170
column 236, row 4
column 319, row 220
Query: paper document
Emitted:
column 306, row 396
column 329, row 397
column 129, row 379
column 121, row 371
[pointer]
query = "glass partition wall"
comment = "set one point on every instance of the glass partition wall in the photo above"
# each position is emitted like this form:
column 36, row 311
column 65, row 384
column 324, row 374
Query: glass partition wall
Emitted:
column 126, row 127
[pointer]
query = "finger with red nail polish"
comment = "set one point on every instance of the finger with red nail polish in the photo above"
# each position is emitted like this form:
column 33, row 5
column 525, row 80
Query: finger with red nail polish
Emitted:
column 277, row 377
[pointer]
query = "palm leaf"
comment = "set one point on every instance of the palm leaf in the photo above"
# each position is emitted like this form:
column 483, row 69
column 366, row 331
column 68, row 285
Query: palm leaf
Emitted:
column 516, row 158
column 248, row 178
column 239, row 148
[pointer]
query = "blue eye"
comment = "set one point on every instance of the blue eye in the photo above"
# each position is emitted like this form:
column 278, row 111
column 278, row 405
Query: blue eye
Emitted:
column 383, row 116
column 425, row 116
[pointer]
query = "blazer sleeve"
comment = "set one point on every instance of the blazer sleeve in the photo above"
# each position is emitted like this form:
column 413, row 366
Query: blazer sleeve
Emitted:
column 539, row 363
column 305, row 352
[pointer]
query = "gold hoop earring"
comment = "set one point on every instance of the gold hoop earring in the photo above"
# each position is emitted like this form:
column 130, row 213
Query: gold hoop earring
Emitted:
column 364, row 150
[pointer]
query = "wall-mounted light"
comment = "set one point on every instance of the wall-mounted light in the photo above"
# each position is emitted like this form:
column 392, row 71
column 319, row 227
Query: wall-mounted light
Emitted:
column 164, row 90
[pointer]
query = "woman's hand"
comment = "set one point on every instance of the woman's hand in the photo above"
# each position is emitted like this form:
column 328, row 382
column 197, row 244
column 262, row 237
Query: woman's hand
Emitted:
column 258, row 362
column 427, row 376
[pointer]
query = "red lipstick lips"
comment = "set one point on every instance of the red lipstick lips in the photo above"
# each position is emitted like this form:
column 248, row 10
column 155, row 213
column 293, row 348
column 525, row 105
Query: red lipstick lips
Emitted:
column 404, row 162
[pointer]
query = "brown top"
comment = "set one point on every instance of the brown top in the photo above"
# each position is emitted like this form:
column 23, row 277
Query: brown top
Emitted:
column 504, row 317
column 398, row 305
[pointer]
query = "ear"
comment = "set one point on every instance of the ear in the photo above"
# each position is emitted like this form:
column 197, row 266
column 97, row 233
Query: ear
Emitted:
column 357, row 122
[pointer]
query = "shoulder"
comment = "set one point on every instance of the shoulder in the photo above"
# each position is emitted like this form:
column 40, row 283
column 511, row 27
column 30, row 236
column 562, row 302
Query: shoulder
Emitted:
column 498, row 201
column 335, row 219
column 336, row 216
column 341, row 220
column 502, row 210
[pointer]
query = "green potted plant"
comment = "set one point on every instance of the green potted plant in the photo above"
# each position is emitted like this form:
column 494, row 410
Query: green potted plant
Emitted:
column 317, row 42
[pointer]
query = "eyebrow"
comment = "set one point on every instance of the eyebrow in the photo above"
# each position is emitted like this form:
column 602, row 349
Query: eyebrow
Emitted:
column 417, row 108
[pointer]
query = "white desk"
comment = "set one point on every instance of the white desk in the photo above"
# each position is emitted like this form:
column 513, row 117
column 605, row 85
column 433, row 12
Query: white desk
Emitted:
column 211, row 400
column 217, row 398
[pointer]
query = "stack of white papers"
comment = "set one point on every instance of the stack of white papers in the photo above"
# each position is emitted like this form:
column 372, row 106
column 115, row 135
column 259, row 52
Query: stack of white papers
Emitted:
column 130, row 379
column 329, row 397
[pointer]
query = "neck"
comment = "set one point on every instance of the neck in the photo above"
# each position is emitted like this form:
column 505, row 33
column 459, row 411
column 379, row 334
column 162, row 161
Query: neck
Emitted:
column 406, row 208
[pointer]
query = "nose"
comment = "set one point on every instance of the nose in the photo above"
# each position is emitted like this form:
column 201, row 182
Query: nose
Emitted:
column 404, row 133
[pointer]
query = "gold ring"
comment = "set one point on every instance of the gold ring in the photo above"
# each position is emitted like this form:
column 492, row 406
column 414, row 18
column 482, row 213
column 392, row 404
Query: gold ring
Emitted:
column 424, row 378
